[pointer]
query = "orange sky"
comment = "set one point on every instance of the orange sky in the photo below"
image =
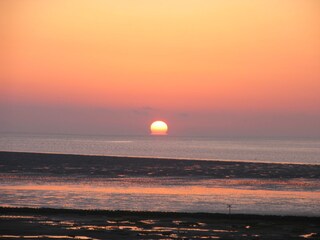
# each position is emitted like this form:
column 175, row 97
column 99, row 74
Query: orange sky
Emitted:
column 196, row 64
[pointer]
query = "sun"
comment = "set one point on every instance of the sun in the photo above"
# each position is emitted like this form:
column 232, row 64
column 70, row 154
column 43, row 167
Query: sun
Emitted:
column 159, row 128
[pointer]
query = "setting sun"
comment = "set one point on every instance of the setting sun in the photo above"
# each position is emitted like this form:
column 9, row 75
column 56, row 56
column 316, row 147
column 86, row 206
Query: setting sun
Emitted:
column 159, row 128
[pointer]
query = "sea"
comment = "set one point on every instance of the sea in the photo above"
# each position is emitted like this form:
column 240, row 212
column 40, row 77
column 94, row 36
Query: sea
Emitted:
column 272, row 176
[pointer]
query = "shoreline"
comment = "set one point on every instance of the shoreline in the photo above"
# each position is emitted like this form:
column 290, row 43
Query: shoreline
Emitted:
column 121, row 180
column 95, row 224
column 109, row 167
column 48, row 223
column 161, row 158
column 119, row 213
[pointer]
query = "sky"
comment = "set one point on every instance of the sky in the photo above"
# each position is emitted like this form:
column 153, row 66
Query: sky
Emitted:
column 206, row 67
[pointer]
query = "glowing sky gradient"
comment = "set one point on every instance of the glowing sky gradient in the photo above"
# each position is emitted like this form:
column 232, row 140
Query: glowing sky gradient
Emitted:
column 218, row 68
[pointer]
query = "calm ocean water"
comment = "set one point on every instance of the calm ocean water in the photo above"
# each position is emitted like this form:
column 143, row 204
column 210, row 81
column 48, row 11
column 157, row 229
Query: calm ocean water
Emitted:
column 158, row 184
column 283, row 150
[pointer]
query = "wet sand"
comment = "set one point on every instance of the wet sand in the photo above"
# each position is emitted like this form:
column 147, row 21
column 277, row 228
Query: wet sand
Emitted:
column 119, row 167
column 28, row 223
column 40, row 223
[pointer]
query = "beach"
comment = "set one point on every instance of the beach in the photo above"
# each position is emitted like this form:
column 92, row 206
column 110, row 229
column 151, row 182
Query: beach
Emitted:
column 27, row 163
column 27, row 223
column 69, row 196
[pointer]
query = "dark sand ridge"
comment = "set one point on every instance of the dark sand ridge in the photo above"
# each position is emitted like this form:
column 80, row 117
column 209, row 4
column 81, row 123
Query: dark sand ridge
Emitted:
column 21, row 223
column 113, row 167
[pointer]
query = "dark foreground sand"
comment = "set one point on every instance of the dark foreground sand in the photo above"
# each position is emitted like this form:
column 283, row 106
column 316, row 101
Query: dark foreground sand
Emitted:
column 28, row 223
